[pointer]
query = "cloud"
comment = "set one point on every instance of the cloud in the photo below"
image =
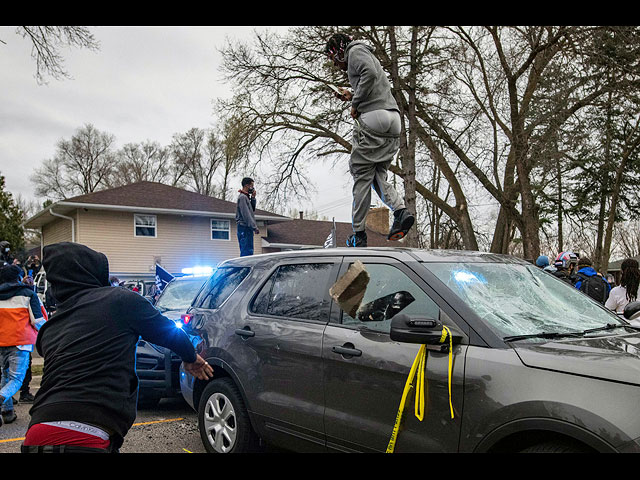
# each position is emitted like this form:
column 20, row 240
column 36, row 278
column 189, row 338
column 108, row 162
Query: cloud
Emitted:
column 145, row 83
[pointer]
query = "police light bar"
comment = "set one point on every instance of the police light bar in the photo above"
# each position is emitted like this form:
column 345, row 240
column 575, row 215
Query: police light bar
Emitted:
column 197, row 271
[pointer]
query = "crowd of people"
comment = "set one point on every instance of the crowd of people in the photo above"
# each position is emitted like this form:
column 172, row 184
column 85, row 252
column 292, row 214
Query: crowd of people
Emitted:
column 17, row 289
column 21, row 316
column 579, row 272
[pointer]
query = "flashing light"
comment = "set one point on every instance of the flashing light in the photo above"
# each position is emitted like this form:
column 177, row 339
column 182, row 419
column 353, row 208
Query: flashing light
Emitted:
column 197, row 271
column 178, row 324
column 465, row 277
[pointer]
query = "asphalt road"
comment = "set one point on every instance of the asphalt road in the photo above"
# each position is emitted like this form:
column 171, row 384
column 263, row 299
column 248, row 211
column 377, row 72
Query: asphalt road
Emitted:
column 171, row 427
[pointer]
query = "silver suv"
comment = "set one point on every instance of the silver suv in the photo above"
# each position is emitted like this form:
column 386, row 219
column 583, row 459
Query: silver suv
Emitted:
column 513, row 358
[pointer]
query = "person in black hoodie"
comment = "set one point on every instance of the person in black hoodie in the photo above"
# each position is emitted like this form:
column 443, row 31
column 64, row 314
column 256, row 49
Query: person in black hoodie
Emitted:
column 88, row 393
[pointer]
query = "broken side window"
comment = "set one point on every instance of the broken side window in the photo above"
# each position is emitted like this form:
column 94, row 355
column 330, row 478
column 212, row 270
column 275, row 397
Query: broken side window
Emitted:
column 388, row 291
column 294, row 291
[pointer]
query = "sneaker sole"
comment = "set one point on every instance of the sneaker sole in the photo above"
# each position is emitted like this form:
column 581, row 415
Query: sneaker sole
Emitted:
column 406, row 226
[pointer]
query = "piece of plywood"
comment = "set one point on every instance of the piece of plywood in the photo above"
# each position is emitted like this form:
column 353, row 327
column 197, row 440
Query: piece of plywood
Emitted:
column 349, row 290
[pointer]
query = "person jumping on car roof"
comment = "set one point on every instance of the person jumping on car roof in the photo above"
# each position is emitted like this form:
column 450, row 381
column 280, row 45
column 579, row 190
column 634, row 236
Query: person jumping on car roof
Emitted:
column 87, row 397
column 376, row 135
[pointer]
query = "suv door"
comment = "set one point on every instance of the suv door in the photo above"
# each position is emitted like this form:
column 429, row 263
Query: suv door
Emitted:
column 363, row 388
column 282, row 334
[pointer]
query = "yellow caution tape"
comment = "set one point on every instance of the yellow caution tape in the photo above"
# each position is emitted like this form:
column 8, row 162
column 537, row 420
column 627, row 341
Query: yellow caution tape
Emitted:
column 419, row 366
column 450, row 372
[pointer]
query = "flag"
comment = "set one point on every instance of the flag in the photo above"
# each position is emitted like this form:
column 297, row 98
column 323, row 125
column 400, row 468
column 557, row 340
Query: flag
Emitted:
column 162, row 278
column 330, row 242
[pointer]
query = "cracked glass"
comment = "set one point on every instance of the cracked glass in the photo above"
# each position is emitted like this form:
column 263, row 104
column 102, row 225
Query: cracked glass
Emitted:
column 518, row 299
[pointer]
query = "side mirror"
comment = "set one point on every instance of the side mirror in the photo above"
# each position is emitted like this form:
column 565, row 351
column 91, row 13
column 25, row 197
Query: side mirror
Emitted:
column 631, row 310
column 414, row 329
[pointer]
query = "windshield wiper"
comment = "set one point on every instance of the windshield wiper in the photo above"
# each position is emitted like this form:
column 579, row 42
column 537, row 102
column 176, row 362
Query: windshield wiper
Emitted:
column 609, row 326
column 514, row 338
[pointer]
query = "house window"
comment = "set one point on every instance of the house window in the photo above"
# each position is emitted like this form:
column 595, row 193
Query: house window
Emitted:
column 220, row 229
column 145, row 225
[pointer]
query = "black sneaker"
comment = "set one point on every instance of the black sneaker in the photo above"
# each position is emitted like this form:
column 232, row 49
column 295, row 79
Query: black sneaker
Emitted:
column 402, row 222
column 26, row 398
column 10, row 416
column 358, row 239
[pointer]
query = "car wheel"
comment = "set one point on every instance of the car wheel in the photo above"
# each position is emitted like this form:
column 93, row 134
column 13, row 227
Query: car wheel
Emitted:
column 223, row 419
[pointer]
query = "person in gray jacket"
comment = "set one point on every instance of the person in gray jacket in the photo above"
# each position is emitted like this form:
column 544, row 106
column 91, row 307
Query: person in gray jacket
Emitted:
column 376, row 135
column 245, row 217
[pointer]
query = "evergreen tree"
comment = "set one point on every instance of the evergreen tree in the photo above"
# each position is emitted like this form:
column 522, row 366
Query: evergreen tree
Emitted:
column 11, row 218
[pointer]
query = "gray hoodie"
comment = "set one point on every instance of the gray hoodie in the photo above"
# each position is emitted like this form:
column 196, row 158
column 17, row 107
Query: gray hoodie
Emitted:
column 371, row 88
column 245, row 215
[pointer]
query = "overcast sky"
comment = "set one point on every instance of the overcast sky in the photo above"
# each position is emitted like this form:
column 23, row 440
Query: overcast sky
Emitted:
column 145, row 83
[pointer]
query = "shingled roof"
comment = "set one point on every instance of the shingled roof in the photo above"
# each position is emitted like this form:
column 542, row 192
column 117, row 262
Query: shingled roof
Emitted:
column 151, row 197
column 315, row 232
column 158, row 195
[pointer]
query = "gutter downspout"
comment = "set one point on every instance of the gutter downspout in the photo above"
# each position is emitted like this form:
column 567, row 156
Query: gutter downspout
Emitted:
column 73, row 223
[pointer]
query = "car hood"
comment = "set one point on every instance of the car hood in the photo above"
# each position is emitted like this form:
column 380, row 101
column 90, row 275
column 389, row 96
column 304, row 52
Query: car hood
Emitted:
column 608, row 357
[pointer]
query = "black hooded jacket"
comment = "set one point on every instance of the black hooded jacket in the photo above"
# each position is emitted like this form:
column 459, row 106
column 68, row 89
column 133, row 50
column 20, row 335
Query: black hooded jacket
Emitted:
column 89, row 344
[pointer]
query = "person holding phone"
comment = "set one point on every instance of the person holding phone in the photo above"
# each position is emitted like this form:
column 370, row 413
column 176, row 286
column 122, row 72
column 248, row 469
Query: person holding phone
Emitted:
column 245, row 217
column 376, row 135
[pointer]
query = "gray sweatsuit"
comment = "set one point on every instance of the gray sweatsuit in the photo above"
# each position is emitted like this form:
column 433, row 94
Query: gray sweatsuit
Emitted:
column 376, row 132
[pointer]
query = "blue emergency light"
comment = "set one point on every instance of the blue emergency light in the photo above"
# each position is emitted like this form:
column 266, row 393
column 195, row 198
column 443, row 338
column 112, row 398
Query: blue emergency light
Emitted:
column 197, row 271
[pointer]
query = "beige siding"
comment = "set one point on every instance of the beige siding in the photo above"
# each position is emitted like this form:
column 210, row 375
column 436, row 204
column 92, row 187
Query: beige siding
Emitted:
column 58, row 230
column 182, row 241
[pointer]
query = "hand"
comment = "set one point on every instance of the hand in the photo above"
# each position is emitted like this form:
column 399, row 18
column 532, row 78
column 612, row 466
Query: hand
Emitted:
column 257, row 230
column 253, row 193
column 344, row 95
column 354, row 112
column 199, row 369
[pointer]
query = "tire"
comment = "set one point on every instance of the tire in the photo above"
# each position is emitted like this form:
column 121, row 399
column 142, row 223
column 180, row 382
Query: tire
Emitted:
column 553, row 447
column 223, row 420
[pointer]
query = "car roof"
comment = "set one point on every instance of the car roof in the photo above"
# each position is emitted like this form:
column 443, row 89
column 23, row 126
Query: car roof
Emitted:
column 420, row 255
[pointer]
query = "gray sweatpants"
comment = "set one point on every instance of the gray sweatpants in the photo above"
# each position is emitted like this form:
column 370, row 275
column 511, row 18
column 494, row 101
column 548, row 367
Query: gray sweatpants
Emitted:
column 376, row 140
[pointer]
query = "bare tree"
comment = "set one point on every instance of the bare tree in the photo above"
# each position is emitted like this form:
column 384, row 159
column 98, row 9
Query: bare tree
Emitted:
column 81, row 165
column 137, row 162
column 197, row 157
column 46, row 43
column 234, row 138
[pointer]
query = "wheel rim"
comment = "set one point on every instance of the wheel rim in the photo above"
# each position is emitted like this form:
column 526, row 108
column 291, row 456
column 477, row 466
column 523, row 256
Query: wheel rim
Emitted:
column 220, row 423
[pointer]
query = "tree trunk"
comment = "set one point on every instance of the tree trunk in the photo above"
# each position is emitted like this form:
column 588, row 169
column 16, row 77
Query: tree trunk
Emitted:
column 560, row 202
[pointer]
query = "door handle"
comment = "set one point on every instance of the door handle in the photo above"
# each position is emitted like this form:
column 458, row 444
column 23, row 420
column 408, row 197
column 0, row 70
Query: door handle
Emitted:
column 245, row 332
column 348, row 350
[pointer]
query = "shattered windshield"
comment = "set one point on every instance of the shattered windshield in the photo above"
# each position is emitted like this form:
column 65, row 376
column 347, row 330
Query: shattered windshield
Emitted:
column 178, row 295
column 516, row 299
